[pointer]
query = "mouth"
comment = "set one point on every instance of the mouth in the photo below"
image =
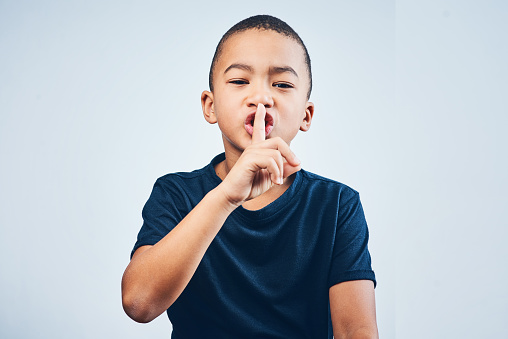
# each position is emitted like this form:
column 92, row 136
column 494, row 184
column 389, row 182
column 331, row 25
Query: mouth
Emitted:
column 249, row 123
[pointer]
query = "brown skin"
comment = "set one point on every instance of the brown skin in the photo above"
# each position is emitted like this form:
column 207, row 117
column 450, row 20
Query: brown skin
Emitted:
column 353, row 309
column 263, row 72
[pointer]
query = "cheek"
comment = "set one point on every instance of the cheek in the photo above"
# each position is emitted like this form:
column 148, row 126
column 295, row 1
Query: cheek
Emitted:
column 290, row 126
column 224, row 103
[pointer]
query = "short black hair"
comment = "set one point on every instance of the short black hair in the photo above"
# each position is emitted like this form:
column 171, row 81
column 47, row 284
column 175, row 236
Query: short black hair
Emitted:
column 261, row 22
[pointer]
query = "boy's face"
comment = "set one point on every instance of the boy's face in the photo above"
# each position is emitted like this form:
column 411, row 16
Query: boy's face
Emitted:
column 259, row 66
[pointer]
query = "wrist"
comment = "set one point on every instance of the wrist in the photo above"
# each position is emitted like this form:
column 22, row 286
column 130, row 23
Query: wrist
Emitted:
column 225, row 200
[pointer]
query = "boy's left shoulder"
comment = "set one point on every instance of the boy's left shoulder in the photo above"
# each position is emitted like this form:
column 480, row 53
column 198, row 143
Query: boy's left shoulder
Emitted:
column 321, row 182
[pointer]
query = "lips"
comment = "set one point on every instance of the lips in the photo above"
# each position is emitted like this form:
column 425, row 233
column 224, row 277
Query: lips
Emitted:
column 249, row 123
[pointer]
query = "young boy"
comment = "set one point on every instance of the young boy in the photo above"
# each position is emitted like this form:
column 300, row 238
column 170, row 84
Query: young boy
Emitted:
column 253, row 246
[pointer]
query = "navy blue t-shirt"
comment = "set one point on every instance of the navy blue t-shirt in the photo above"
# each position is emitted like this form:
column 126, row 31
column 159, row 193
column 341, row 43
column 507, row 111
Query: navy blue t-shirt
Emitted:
column 267, row 272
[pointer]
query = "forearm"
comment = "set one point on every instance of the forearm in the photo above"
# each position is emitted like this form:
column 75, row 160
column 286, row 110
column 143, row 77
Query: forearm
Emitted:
column 156, row 277
column 360, row 333
column 353, row 310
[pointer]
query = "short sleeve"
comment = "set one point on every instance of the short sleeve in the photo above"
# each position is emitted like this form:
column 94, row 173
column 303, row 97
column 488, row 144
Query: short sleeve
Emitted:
column 161, row 213
column 351, row 258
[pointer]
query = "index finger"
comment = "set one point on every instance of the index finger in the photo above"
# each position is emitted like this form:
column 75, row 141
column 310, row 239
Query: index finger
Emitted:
column 258, row 133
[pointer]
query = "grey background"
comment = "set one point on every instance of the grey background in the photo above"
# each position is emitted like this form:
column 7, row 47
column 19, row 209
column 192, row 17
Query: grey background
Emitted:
column 98, row 99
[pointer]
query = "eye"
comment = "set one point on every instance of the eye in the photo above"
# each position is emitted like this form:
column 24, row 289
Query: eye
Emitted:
column 283, row 85
column 238, row 82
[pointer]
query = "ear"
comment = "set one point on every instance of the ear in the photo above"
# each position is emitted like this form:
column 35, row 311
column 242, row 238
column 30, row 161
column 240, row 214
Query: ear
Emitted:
column 207, row 106
column 307, row 119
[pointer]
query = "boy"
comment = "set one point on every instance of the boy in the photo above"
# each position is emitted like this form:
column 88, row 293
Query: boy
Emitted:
column 252, row 246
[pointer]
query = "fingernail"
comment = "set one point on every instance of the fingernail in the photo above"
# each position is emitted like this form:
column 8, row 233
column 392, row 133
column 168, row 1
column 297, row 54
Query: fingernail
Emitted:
column 297, row 160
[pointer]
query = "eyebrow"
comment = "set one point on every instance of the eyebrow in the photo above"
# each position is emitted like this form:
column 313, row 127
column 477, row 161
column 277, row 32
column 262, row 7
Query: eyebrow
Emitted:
column 283, row 69
column 239, row 66
column 271, row 71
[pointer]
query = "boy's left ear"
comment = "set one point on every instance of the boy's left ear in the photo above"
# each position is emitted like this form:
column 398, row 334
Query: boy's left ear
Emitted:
column 207, row 106
column 307, row 119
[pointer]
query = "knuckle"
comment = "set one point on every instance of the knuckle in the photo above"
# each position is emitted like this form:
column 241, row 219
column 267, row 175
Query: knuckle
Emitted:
column 277, row 155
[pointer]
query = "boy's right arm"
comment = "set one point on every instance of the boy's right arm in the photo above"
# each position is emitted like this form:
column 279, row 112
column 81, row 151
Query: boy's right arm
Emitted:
column 158, row 274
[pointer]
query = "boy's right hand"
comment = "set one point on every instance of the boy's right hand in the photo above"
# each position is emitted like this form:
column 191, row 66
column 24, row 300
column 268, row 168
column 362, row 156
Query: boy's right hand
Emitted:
column 157, row 275
column 262, row 164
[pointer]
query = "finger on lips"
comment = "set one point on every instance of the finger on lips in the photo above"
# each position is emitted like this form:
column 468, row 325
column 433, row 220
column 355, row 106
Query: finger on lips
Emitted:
column 286, row 161
column 258, row 133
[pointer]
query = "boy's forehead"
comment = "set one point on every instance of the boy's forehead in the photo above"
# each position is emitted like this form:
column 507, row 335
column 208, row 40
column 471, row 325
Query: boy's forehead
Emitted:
column 261, row 46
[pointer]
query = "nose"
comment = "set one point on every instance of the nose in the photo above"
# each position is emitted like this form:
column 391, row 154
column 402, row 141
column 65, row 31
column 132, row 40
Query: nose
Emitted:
column 260, row 94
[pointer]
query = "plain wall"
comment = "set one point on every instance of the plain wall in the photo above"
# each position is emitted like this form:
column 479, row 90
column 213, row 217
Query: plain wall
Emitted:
column 100, row 98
